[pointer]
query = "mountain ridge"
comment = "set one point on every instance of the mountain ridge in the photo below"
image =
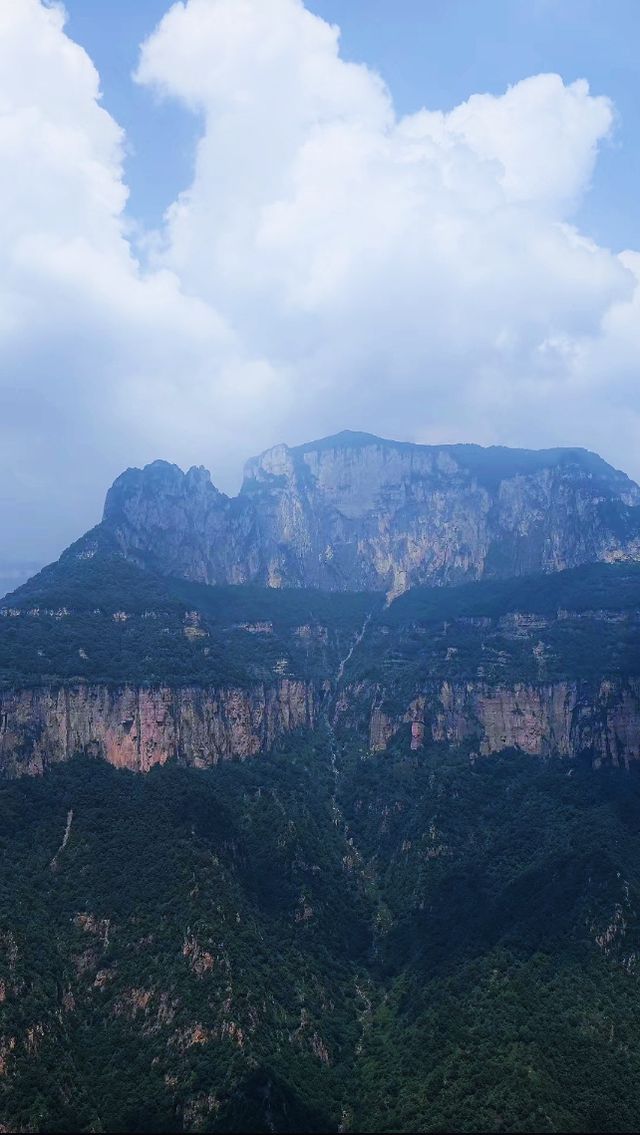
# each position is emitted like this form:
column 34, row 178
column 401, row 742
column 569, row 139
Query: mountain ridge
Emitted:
column 181, row 626
column 356, row 512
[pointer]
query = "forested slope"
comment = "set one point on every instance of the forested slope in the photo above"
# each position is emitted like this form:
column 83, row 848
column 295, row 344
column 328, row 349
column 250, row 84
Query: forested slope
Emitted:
column 401, row 942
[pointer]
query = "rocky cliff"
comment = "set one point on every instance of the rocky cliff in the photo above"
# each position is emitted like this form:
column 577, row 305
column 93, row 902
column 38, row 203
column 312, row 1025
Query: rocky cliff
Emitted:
column 122, row 650
column 547, row 664
column 564, row 719
column 355, row 512
column 137, row 728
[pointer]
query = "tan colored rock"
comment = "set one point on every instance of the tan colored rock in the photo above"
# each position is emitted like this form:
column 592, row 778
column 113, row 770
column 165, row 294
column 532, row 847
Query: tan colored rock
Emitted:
column 563, row 718
column 200, row 960
column 196, row 1034
column 381, row 730
column 136, row 727
column 131, row 1002
column 417, row 735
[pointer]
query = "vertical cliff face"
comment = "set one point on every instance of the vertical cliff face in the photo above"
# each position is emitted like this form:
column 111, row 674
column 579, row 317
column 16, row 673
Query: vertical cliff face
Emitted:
column 355, row 512
column 136, row 727
column 561, row 719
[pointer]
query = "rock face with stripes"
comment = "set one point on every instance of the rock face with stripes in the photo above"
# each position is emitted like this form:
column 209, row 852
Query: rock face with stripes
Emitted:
column 138, row 727
column 356, row 512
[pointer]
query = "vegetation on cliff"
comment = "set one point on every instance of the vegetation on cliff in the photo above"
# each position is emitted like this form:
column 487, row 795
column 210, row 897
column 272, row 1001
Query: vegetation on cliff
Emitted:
column 102, row 619
column 582, row 625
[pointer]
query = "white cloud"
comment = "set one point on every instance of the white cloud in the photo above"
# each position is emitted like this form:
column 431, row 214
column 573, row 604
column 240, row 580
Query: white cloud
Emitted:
column 418, row 274
column 543, row 135
column 331, row 265
column 103, row 364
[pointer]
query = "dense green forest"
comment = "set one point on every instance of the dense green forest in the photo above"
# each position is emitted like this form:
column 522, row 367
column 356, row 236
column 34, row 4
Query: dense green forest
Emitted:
column 580, row 625
column 105, row 620
column 319, row 940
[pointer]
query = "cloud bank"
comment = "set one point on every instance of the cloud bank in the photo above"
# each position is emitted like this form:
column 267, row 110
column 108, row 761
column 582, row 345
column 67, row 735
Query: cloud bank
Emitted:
column 331, row 265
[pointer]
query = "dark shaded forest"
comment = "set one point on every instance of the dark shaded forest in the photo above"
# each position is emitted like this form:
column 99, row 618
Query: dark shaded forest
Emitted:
column 402, row 942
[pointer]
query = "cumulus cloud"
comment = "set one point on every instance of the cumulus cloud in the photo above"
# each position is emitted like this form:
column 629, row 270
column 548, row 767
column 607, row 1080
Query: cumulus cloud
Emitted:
column 419, row 274
column 332, row 264
column 104, row 363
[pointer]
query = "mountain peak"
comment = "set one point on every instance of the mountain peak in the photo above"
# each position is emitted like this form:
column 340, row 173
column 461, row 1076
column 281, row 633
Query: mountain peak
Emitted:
column 489, row 464
column 346, row 439
column 353, row 511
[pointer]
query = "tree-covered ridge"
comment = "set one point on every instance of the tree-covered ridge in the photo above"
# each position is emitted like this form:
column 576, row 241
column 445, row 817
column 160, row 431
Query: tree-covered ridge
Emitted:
column 319, row 940
column 102, row 619
column 578, row 625
column 591, row 587
column 198, row 980
column 509, row 945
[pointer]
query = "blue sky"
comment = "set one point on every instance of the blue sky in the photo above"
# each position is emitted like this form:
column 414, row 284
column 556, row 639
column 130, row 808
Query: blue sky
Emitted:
column 427, row 230
column 433, row 53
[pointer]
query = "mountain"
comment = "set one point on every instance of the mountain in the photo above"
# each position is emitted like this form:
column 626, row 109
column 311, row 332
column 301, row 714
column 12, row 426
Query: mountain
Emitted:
column 381, row 872
column 355, row 512
column 100, row 656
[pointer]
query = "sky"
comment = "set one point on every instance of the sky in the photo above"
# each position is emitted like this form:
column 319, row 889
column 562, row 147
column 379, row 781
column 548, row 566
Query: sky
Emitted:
column 230, row 223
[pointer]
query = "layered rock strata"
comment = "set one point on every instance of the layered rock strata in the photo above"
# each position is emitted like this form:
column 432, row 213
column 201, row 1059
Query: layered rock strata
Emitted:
column 563, row 719
column 356, row 512
column 138, row 727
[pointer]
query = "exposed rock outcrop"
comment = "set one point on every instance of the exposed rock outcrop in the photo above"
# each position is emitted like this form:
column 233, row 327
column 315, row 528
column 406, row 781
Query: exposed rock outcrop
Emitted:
column 137, row 727
column 355, row 512
column 563, row 719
